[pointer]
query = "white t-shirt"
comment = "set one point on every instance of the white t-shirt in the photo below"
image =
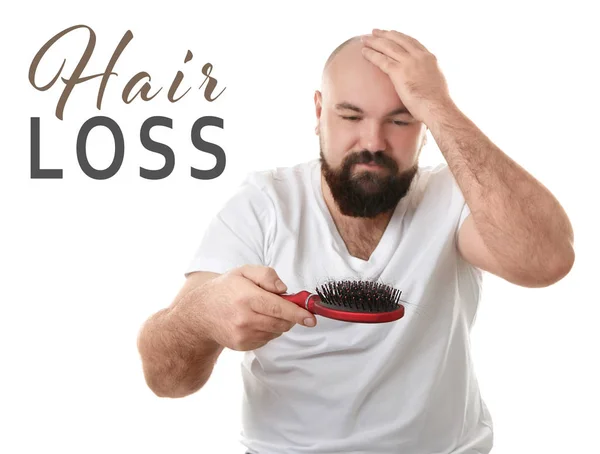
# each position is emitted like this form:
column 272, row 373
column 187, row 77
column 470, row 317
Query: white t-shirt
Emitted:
column 400, row 387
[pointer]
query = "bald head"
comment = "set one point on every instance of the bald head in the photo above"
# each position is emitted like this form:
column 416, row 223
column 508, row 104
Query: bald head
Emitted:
column 348, row 67
column 338, row 49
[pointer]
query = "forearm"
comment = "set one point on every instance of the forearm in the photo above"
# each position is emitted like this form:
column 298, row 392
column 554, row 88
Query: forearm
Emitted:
column 177, row 360
column 520, row 221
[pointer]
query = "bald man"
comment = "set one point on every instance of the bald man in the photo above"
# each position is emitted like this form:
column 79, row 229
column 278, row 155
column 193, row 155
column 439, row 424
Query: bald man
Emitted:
column 364, row 209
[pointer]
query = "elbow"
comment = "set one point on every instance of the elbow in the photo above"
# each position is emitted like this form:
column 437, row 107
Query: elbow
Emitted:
column 552, row 271
column 167, row 387
column 156, row 368
column 160, row 391
column 560, row 265
column 170, row 393
column 158, row 386
column 168, row 370
column 167, row 379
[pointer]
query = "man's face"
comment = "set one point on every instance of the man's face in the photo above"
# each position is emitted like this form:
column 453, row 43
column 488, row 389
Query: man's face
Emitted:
column 369, row 142
column 367, row 184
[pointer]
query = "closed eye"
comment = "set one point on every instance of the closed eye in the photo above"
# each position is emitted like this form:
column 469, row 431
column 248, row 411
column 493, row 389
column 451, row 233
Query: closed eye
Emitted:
column 355, row 118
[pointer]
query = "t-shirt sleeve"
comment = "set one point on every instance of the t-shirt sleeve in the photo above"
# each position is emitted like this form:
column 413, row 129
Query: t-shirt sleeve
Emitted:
column 239, row 234
column 466, row 211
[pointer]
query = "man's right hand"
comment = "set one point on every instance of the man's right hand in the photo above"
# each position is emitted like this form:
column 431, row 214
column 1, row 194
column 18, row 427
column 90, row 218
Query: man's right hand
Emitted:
column 241, row 310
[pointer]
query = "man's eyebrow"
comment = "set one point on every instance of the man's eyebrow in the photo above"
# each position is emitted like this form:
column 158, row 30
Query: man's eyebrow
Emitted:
column 399, row 110
column 348, row 106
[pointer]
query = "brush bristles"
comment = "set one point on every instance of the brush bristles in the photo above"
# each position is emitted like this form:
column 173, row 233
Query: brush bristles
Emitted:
column 359, row 296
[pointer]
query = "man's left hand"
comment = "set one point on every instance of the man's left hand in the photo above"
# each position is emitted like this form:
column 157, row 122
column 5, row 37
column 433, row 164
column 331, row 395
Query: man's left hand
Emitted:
column 413, row 70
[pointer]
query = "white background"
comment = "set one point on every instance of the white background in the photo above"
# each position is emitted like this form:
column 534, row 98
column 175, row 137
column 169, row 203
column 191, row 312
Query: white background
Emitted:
column 85, row 262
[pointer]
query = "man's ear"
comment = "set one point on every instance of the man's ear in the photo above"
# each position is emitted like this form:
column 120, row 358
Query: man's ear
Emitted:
column 318, row 108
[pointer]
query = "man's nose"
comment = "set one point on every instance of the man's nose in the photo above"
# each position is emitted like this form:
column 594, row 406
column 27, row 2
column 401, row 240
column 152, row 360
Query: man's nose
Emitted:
column 372, row 137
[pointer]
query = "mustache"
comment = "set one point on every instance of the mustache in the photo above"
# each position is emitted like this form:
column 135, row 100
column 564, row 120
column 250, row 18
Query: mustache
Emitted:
column 367, row 157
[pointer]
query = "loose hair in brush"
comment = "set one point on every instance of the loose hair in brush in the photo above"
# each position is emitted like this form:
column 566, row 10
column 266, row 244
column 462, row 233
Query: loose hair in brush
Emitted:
column 359, row 301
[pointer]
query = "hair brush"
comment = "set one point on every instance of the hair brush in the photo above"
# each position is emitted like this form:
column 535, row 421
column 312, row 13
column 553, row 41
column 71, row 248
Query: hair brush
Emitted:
column 352, row 301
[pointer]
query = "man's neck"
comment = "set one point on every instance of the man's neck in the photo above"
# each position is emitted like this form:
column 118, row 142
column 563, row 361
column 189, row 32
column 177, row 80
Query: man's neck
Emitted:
column 361, row 235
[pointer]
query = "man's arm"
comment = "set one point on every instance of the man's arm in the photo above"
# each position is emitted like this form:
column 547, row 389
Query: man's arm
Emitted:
column 177, row 360
column 517, row 229
column 240, row 309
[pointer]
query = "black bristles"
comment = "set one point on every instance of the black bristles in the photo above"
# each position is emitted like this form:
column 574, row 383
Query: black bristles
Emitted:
column 359, row 296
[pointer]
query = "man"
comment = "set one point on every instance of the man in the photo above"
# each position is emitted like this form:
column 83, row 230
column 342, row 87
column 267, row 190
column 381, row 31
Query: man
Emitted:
column 365, row 210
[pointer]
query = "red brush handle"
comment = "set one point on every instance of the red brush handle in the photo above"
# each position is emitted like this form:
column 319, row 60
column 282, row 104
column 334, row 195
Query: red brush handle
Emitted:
column 308, row 301
column 304, row 299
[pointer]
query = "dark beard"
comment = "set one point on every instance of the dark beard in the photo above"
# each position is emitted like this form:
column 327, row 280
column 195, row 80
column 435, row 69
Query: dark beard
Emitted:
column 369, row 193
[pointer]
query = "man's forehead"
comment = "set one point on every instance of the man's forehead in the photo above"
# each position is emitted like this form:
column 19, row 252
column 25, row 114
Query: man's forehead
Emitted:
column 366, row 95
